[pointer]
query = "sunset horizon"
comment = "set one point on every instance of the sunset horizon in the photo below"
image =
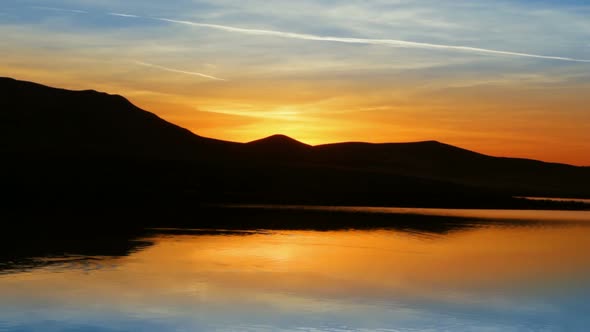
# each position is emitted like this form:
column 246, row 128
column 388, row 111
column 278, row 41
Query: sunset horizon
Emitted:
column 317, row 142
column 396, row 72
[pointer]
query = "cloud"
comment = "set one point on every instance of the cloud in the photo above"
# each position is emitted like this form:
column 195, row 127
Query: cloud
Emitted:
column 151, row 65
column 387, row 42
column 60, row 9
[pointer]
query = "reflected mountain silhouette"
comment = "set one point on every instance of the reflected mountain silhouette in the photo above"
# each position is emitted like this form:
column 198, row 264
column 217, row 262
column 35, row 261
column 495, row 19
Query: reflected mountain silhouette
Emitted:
column 82, row 239
column 24, row 249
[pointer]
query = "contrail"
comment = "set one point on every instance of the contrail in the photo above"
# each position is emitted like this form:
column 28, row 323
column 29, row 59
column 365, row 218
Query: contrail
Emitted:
column 348, row 40
column 123, row 15
column 178, row 71
column 388, row 42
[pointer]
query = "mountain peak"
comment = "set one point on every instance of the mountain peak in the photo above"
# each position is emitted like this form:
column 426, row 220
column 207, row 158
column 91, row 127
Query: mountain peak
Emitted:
column 278, row 140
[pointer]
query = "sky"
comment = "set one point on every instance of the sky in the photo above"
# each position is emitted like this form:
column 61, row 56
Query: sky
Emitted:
column 506, row 78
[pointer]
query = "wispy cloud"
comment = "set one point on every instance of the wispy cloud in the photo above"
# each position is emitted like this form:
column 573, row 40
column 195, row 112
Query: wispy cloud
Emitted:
column 151, row 65
column 54, row 9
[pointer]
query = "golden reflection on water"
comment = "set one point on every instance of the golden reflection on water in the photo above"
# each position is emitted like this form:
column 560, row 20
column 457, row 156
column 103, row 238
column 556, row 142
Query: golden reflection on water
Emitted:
column 284, row 266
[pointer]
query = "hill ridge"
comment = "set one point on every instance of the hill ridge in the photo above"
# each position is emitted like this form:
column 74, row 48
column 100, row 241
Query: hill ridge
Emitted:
column 42, row 123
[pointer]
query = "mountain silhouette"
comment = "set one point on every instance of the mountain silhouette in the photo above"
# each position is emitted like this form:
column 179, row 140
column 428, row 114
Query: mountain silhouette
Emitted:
column 279, row 142
column 48, row 121
column 278, row 147
column 90, row 150
column 435, row 160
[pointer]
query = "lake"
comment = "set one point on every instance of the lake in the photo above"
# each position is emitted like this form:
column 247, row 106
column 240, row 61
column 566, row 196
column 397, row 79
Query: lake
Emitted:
column 438, row 270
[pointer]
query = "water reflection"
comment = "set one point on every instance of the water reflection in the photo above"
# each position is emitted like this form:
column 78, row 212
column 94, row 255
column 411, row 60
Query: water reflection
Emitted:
column 39, row 243
column 23, row 250
column 473, row 277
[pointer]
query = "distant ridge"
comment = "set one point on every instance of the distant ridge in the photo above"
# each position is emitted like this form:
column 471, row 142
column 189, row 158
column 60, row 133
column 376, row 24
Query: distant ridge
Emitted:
column 80, row 144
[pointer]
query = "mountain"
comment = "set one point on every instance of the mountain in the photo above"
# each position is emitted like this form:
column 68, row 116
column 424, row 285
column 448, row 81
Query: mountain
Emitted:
column 87, row 149
column 276, row 143
column 521, row 177
column 277, row 148
column 38, row 120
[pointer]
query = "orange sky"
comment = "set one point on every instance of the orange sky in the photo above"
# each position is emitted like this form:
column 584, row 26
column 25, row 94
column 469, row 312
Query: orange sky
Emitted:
column 263, row 72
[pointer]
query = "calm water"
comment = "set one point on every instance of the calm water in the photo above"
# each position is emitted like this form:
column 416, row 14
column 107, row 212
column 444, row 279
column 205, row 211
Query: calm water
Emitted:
column 483, row 276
